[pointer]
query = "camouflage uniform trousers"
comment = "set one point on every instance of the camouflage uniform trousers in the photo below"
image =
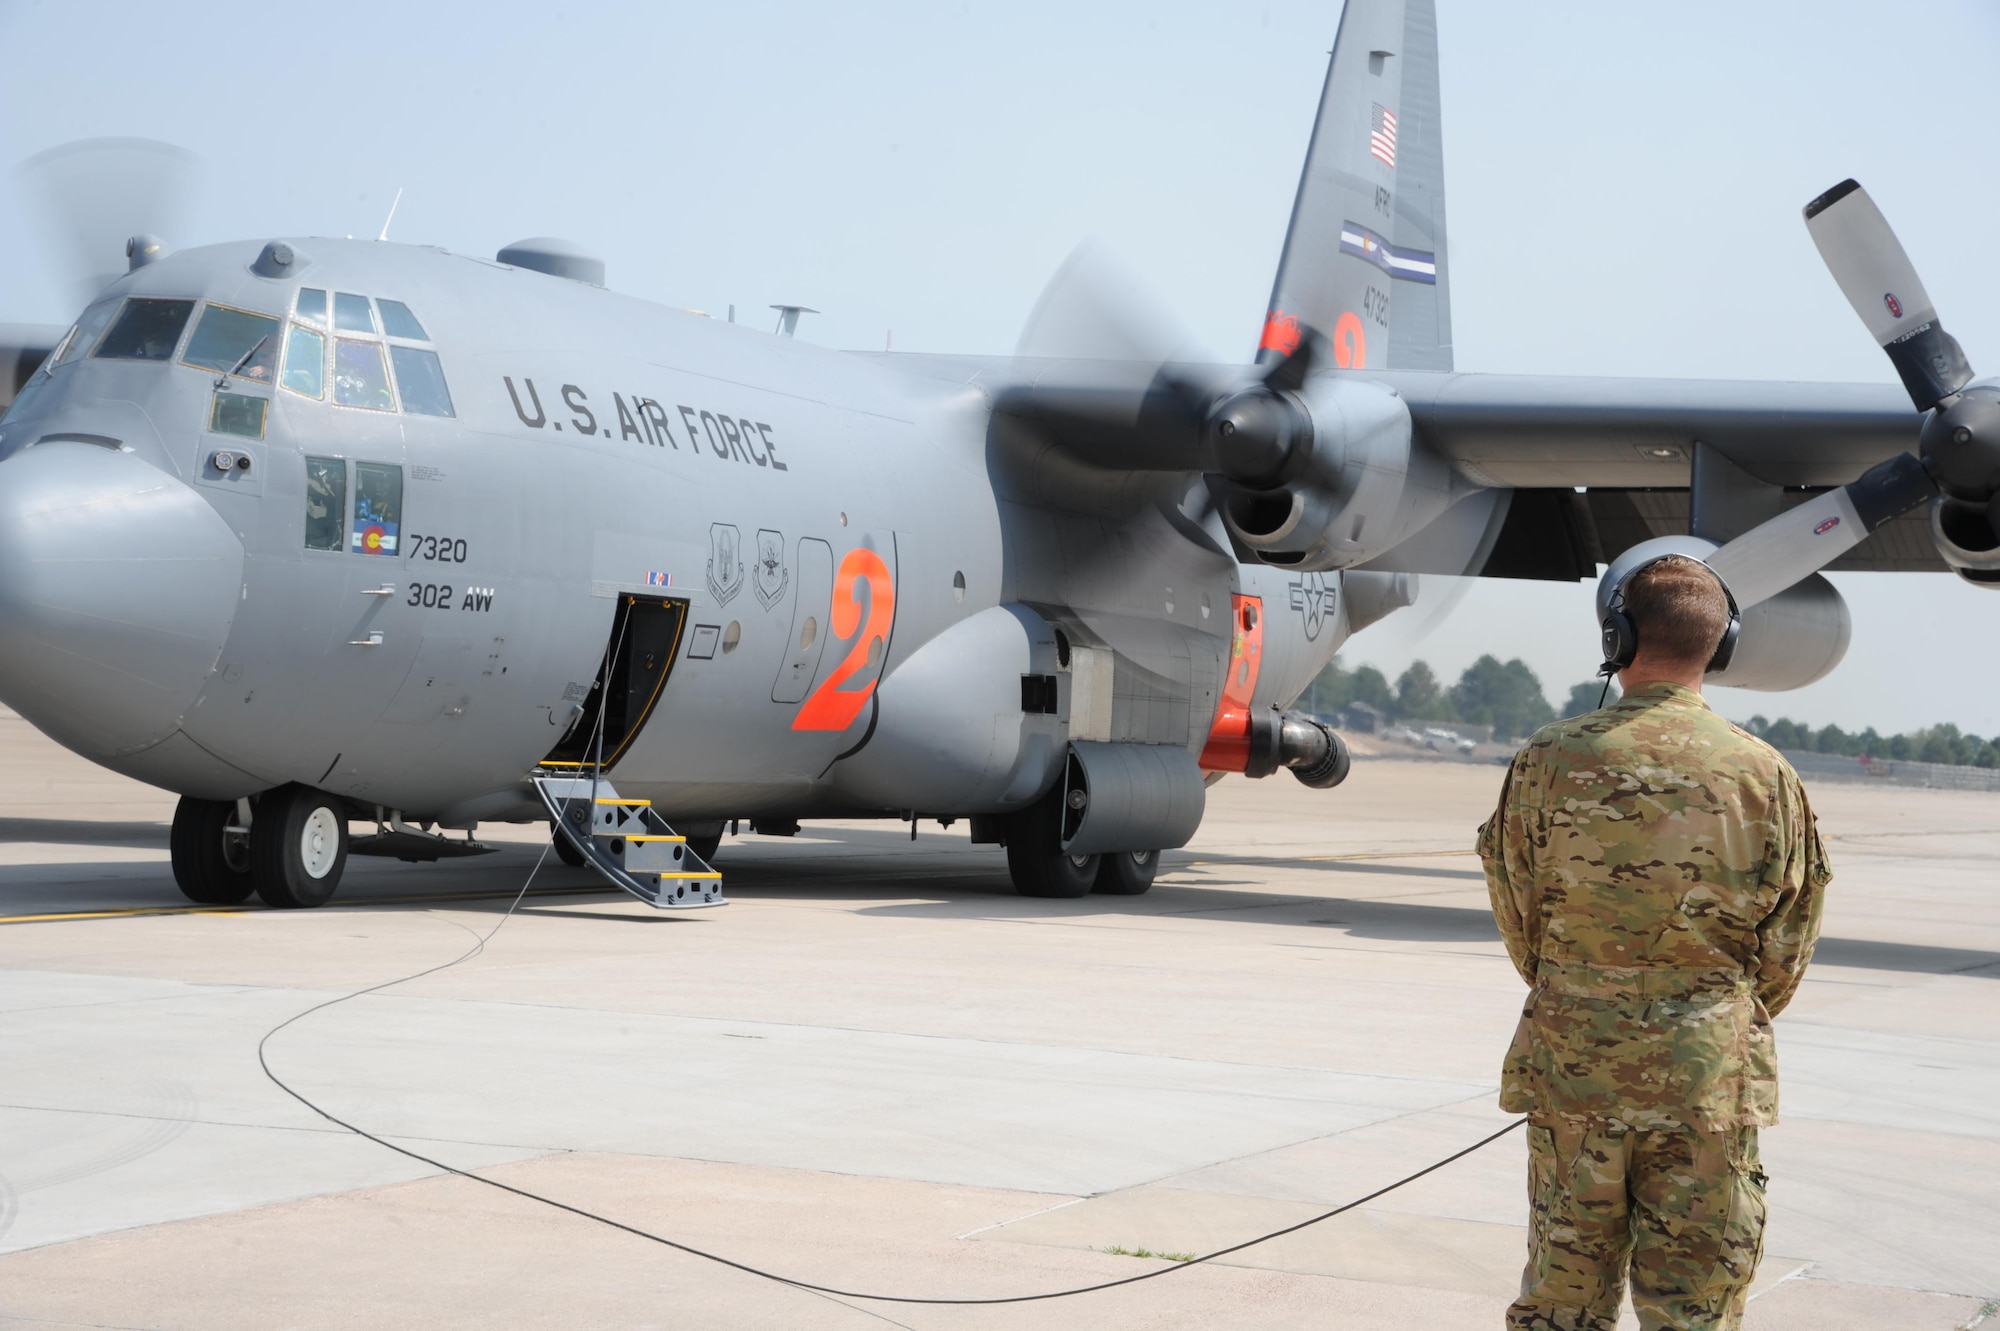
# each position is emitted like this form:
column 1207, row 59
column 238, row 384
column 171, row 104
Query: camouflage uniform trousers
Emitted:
column 1683, row 1208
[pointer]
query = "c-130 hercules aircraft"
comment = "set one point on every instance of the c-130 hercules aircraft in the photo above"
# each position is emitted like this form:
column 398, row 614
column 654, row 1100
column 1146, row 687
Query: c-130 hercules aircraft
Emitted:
column 313, row 530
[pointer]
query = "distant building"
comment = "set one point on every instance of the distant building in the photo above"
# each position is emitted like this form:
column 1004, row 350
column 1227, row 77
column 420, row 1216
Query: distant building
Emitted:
column 1361, row 718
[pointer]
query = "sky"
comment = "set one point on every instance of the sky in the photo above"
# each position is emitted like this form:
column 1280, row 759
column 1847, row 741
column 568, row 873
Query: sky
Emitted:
column 1623, row 184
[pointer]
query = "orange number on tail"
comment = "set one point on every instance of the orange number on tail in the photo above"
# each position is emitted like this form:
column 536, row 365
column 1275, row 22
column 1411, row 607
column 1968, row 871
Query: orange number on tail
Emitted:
column 828, row 708
column 1350, row 342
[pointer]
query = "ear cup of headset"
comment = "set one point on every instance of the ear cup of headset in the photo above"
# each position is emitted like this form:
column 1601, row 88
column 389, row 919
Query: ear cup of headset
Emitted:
column 1726, row 649
column 1621, row 640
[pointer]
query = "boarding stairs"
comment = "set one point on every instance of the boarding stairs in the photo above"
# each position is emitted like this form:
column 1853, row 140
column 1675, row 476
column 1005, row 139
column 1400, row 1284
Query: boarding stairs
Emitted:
column 628, row 842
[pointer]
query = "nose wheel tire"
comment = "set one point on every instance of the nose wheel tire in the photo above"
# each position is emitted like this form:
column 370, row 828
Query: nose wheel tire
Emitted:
column 298, row 847
column 211, row 863
column 704, row 838
column 567, row 852
column 1127, row 873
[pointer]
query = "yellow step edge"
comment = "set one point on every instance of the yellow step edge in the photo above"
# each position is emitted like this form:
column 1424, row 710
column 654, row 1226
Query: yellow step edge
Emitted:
column 656, row 838
column 637, row 804
column 681, row 875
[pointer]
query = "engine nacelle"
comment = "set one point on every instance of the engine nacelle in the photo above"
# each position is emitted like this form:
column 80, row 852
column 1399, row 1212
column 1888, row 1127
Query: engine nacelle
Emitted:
column 1790, row 640
column 1325, row 477
column 1966, row 537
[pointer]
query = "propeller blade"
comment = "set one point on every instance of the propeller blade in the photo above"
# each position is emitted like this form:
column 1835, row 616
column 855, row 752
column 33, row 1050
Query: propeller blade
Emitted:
column 96, row 194
column 1880, row 282
column 1096, row 309
column 1799, row 542
column 1118, row 382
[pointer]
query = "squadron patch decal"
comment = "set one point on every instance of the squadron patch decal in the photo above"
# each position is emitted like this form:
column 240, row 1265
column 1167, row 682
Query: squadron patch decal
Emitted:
column 772, row 575
column 725, row 562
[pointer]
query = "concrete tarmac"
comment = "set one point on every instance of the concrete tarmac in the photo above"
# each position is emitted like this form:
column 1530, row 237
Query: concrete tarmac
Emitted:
column 880, row 1070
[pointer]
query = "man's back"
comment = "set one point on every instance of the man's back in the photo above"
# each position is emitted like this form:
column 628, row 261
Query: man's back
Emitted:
column 1657, row 876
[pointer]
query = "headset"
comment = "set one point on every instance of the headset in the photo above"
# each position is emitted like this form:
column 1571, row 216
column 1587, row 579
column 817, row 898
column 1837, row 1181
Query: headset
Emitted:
column 1620, row 635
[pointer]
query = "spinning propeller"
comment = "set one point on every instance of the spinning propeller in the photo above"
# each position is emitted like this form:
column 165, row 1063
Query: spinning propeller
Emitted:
column 1125, row 387
column 107, row 200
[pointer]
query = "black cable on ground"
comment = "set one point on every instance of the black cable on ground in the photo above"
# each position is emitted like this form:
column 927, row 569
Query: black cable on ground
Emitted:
column 744, row 1267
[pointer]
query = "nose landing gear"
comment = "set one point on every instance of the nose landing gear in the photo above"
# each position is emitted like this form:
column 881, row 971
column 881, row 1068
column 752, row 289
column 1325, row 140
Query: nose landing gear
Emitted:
column 211, row 862
column 298, row 847
column 292, row 854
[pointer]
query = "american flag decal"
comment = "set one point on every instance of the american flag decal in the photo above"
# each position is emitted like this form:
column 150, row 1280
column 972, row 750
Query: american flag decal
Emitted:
column 1382, row 135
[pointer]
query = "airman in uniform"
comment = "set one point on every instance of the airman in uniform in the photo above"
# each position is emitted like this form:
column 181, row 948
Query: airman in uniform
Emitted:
column 1658, row 878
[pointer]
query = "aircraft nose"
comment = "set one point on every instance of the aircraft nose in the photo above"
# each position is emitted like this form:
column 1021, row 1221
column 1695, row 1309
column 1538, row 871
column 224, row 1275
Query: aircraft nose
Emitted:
column 118, row 585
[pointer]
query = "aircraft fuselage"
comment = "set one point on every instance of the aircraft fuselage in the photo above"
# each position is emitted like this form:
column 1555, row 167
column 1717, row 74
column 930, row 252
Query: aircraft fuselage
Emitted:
column 345, row 588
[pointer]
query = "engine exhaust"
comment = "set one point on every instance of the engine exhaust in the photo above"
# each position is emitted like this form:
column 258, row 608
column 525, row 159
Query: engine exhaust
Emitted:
column 1314, row 752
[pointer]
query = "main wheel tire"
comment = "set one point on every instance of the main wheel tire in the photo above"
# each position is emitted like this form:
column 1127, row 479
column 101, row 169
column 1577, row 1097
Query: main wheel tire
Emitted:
column 1127, row 873
column 566, row 851
column 298, row 847
column 1050, row 874
column 211, row 865
column 1035, row 859
column 704, row 839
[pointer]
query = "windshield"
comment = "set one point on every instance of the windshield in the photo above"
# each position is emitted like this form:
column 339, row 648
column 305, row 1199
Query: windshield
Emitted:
column 234, row 342
column 146, row 330
column 85, row 333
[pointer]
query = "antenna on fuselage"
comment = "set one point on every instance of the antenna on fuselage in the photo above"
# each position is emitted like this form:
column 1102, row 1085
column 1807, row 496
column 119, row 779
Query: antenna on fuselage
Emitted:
column 392, row 213
column 788, row 318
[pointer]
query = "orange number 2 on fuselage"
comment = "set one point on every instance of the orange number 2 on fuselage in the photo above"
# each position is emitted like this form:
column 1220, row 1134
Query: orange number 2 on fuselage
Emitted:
column 829, row 708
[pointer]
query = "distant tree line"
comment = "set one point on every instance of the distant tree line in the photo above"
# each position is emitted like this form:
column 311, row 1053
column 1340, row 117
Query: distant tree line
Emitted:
column 1939, row 744
column 1505, row 695
column 1508, row 697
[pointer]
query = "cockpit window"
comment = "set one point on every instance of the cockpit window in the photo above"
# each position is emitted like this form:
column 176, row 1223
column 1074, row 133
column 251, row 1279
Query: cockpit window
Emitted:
column 234, row 342
column 146, row 330
column 311, row 305
column 420, row 380
column 397, row 321
column 238, row 413
column 351, row 313
column 326, row 502
column 360, row 379
column 305, row 362
column 85, row 333
column 378, row 507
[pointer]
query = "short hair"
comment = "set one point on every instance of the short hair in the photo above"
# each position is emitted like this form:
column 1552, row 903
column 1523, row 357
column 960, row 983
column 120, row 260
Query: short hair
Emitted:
column 1678, row 610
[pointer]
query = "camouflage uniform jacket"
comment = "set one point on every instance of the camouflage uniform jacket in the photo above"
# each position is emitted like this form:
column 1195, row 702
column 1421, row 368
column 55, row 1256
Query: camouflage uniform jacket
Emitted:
column 1658, row 878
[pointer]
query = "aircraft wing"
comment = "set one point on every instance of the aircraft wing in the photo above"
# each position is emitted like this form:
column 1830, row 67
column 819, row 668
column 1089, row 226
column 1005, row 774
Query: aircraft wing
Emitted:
column 1538, row 431
column 1588, row 467
column 1597, row 465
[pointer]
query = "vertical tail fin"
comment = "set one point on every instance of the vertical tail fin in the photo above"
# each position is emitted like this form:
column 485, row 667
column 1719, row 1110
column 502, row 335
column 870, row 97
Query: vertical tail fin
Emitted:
column 1364, row 258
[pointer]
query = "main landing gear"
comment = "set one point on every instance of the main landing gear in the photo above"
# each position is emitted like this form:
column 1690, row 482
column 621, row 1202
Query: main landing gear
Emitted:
column 291, row 853
column 1039, row 868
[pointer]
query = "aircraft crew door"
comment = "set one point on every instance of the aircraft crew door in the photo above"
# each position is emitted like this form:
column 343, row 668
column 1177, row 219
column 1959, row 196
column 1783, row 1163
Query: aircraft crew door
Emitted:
column 645, row 637
column 810, row 605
